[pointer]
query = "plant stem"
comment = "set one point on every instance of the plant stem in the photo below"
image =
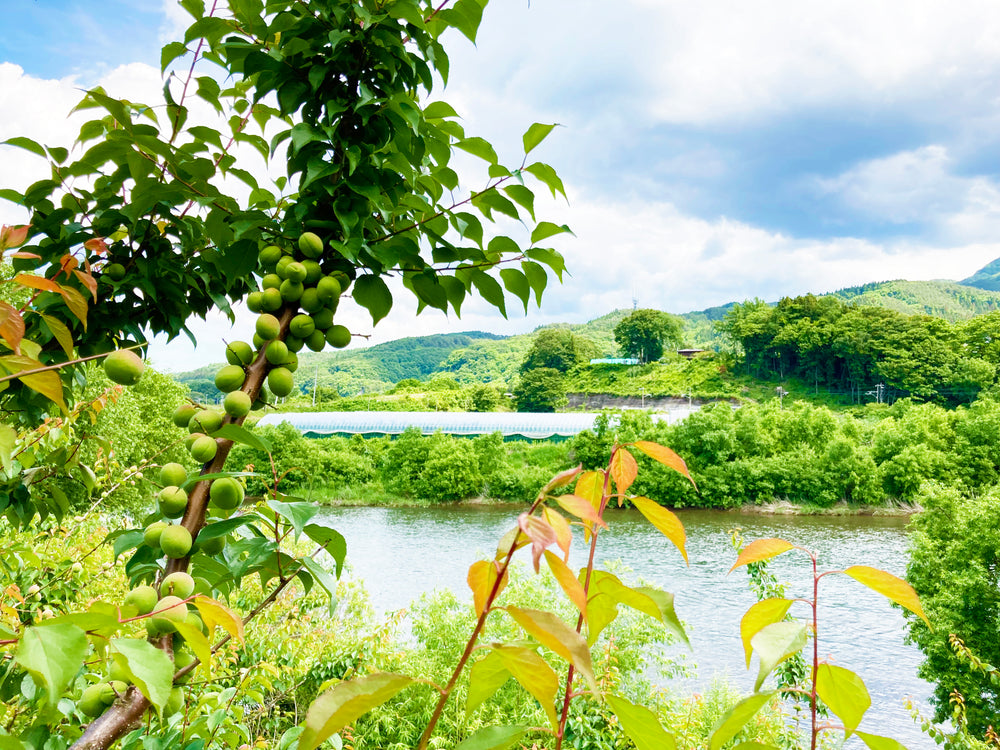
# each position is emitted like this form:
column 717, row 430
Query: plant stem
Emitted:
column 568, row 696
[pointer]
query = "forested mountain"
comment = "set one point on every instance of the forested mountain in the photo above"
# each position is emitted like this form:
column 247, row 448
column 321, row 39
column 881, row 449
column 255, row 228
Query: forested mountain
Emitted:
column 987, row 277
column 942, row 299
column 374, row 368
column 484, row 358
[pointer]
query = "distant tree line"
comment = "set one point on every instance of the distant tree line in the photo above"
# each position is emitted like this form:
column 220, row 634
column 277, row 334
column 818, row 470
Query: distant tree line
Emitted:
column 843, row 347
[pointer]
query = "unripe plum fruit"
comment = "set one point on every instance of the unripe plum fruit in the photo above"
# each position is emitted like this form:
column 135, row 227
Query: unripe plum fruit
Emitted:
column 226, row 492
column 237, row 404
column 175, row 541
column 183, row 413
column 310, row 244
column 177, row 583
column 172, row 501
column 124, row 367
column 143, row 598
column 173, row 474
column 239, row 353
column 204, row 449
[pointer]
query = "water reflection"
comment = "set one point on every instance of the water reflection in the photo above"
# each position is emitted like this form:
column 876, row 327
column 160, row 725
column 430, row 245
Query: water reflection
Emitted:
column 403, row 552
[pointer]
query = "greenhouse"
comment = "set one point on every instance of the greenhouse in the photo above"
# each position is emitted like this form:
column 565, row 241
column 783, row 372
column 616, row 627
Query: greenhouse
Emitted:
column 512, row 425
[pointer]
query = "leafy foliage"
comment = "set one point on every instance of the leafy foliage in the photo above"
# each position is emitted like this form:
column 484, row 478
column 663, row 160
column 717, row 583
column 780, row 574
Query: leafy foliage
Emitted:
column 644, row 333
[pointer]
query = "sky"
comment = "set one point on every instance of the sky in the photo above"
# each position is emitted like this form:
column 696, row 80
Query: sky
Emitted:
column 711, row 151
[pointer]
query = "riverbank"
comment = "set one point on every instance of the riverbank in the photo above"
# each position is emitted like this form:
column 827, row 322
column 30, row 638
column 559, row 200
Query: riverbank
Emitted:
column 378, row 498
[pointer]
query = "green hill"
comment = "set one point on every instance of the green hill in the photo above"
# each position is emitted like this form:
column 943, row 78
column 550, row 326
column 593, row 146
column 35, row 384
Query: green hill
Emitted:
column 476, row 357
column 943, row 299
column 987, row 277
column 375, row 368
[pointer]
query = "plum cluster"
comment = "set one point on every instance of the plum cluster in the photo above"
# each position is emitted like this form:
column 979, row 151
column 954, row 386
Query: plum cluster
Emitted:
column 296, row 303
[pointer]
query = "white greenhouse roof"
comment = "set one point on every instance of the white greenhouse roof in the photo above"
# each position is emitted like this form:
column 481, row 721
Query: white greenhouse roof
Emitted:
column 515, row 425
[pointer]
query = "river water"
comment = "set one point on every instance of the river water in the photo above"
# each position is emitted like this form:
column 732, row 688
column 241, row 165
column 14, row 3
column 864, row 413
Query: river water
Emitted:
column 403, row 552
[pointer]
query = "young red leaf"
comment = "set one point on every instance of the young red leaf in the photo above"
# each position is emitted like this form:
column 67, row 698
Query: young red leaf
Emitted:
column 87, row 280
column 37, row 282
column 665, row 521
column 11, row 326
column 562, row 479
column 11, row 236
column 581, row 508
column 539, row 532
column 564, row 535
column 624, row 470
column 760, row 550
column 665, row 456
column 568, row 582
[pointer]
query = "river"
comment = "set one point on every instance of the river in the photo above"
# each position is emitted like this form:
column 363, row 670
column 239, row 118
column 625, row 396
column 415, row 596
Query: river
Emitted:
column 403, row 552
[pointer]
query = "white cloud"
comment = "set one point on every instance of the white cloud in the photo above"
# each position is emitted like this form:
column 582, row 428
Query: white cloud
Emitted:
column 921, row 186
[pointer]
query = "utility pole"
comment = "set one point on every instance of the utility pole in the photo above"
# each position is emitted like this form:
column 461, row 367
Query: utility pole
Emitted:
column 315, row 384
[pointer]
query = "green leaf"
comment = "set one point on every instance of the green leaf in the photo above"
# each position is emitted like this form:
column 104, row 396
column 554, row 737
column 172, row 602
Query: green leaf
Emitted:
column 46, row 383
column 490, row 290
column 559, row 637
column 545, row 229
column 27, row 144
column 877, row 742
column 486, row 676
column 517, row 284
column 733, row 721
column 653, row 602
column 197, row 641
column 547, row 176
column 346, row 702
column 535, row 135
column 439, row 110
column 760, row 615
column 534, row 675
column 492, row 738
column 297, row 514
column 537, row 278
column 522, row 196
column 240, row 434
column 641, row 725
column 169, row 53
column 372, row 293
column 478, row 147
column 889, row 586
column 331, row 540
column 602, row 609
column 776, row 643
column 148, row 667
column 844, row 693
column 52, row 654
column 323, row 577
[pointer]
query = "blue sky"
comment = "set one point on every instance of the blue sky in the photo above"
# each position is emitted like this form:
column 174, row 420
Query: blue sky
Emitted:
column 712, row 151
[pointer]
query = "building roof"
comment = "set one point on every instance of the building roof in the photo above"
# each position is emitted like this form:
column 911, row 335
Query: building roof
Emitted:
column 511, row 425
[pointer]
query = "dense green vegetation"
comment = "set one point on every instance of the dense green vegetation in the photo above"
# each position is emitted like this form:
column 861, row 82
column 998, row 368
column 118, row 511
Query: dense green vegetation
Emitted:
column 854, row 349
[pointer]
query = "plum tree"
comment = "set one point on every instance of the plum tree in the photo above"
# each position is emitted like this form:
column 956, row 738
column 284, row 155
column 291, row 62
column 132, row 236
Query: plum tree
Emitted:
column 145, row 237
